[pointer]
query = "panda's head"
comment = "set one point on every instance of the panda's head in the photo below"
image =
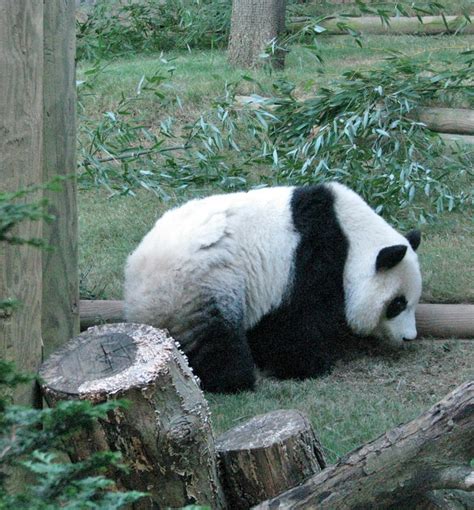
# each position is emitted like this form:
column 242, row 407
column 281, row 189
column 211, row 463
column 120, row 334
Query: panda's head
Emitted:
column 383, row 302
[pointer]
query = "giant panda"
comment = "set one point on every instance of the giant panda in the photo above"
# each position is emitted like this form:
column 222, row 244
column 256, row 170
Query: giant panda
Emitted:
column 275, row 278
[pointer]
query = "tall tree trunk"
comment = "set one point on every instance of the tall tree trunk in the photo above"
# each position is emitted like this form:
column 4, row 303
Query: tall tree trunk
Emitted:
column 254, row 25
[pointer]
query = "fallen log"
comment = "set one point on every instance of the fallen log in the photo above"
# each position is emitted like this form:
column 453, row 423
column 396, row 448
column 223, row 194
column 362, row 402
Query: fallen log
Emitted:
column 438, row 321
column 448, row 120
column 453, row 124
column 453, row 140
column 430, row 25
column 100, row 311
column 164, row 435
column 445, row 321
column 431, row 452
column 266, row 456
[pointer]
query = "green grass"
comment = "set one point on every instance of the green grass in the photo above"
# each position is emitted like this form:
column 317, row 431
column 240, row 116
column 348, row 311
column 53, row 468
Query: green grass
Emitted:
column 362, row 397
column 200, row 76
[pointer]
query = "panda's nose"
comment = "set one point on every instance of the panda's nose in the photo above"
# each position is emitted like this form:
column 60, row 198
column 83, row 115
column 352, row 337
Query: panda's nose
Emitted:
column 410, row 337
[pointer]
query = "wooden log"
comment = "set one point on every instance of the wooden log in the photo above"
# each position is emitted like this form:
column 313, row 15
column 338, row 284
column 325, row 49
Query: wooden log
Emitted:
column 93, row 312
column 431, row 452
column 21, row 148
column 267, row 455
column 453, row 140
column 445, row 321
column 448, row 120
column 439, row 321
column 453, row 124
column 398, row 25
column 60, row 311
column 165, row 435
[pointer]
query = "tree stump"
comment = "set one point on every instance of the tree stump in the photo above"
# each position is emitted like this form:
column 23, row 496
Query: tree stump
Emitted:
column 164, row 435
column 267, row 455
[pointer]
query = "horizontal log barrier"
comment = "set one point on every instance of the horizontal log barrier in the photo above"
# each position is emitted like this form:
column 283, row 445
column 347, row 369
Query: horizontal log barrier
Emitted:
column 95, row 312
column 452, row 124
column 448, row 120
column 398, row 25
column 445, row 321
column 452, row 139
column 437, row 321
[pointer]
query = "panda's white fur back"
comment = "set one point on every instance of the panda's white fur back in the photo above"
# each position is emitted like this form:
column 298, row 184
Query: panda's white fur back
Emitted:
column 244, row 239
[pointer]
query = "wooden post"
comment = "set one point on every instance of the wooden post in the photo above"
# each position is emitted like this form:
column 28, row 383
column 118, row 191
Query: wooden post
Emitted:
column 165, row 434
column 60, row 314
column 266, row 456
column 21, row 148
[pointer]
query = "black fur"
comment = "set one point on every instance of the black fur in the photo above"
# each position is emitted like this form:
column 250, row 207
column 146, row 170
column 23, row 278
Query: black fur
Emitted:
column 414, row 238
column 303, row 337
column 216, row 345
column 390, row 256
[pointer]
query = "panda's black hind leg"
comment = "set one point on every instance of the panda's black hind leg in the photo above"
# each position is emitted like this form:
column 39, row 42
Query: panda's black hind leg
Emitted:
column 219, row 352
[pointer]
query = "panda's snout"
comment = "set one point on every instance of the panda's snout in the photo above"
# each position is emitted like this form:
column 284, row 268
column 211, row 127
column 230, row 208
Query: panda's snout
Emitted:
column 410, row 337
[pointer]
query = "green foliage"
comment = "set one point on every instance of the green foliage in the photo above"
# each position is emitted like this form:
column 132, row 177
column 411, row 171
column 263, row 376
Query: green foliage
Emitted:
column 122, row 153
column 361, row 130
column 119, row 151
column 115, row 28
column 28, row 438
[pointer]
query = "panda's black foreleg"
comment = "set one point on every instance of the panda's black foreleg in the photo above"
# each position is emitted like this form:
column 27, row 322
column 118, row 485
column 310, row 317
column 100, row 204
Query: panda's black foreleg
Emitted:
column 289, row 350
column 219, row 353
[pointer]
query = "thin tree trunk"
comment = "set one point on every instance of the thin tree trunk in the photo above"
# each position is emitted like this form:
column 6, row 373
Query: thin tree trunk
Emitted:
column 256, row 25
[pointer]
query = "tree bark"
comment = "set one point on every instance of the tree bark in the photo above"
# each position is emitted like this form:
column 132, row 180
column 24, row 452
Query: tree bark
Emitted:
column 254, row 26
column 267, row 455
column 431, row 452
column 165, row 434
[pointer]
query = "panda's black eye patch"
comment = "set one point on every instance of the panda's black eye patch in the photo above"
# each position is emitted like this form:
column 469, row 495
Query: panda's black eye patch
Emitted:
column 396, row 307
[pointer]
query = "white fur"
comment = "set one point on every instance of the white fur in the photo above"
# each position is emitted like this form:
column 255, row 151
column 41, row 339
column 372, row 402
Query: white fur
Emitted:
column 368, row 292
column 219, row 244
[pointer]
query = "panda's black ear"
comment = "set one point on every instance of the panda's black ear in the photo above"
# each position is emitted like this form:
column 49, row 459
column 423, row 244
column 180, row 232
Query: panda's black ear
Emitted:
column 414, row 238
column 390, row 256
